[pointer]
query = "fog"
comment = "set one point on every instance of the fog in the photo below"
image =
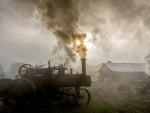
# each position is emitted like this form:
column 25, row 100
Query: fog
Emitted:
column 117, row 30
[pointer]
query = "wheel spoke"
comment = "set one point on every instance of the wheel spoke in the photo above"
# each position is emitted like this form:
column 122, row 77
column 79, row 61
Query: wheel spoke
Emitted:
column 24, row 69
column 83, row 98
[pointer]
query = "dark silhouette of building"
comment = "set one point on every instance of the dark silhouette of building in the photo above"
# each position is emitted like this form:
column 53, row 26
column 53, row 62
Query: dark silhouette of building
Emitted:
column 122, row 72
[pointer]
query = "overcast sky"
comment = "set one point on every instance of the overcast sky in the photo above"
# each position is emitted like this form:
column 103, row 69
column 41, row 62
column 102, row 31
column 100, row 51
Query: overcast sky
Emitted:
column 117, row 30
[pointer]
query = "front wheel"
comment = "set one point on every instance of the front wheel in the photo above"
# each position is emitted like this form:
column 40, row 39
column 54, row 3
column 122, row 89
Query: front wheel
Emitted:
column 83, row 97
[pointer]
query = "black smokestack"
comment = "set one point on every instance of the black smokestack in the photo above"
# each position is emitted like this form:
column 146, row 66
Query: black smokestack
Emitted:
column 83, row 63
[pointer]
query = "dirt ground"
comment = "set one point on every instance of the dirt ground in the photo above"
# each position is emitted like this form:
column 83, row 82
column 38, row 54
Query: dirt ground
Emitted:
column 104, row 99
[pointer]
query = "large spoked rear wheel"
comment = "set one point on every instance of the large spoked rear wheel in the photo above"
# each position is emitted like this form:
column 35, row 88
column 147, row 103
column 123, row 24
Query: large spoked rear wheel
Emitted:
column 83, row 97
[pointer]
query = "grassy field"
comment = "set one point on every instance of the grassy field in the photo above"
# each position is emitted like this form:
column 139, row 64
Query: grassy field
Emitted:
column 104, row 100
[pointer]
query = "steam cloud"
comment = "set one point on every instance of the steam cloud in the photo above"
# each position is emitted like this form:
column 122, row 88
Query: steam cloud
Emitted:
column 116, row 28
column 107, row 20
column 61, row 17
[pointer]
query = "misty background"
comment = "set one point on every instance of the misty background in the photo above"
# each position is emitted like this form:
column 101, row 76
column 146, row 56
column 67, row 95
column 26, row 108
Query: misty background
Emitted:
column 117, row 30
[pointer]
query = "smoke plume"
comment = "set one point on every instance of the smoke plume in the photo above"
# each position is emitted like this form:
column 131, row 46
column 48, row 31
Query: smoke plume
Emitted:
column 112, row 25
column 114, row 28
column 61, row 18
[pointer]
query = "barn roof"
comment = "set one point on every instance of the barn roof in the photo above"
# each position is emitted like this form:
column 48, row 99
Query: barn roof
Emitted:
column 126, row 67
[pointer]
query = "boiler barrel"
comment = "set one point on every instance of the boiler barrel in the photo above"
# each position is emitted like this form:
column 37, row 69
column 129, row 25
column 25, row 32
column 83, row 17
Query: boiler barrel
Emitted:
column 72, row 81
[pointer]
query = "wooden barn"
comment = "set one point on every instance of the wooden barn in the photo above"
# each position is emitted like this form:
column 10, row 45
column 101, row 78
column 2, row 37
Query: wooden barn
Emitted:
column 122, row 72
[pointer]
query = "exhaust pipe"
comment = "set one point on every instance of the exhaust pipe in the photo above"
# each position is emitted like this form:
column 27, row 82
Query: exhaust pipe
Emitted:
column 83, row 63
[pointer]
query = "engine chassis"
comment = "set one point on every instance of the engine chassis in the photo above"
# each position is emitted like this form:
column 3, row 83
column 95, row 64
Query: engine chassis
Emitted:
column 35, row 83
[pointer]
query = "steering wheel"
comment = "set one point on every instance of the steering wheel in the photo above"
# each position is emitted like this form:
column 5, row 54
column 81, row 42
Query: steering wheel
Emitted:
column 24, row 69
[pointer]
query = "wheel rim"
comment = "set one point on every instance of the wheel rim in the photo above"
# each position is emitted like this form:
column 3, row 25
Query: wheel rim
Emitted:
column 83, row 98
column 24, row 69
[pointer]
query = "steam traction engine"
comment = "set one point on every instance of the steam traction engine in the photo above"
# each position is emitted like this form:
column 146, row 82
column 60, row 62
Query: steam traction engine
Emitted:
column 35, row 83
